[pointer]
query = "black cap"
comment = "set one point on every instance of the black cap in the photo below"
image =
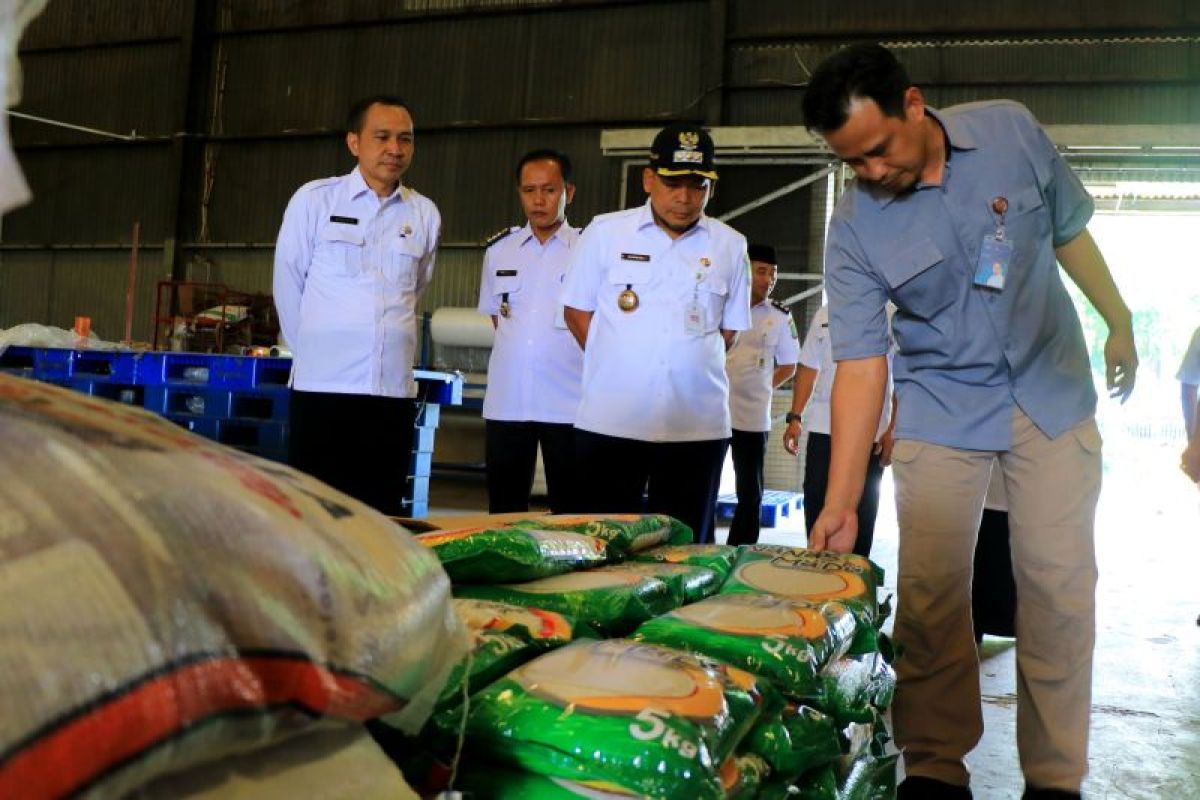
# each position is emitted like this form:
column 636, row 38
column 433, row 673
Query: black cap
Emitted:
column 762, row 252
column 683, row 148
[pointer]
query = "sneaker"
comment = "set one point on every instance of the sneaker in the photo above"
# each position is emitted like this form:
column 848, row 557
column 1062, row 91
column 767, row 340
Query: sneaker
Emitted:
column 1032, row 793
column 919, row 787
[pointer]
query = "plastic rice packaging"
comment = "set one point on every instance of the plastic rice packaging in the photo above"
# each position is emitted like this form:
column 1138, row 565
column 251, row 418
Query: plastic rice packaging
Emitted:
column 717, row 557
column 795, row 741
column 613, row 603
column 785, row 641
column 857, row 686
column 534, row 625
column 625, row 533
column 650, row 720
column 688, row 584
column 813, row 576
column 497, row 555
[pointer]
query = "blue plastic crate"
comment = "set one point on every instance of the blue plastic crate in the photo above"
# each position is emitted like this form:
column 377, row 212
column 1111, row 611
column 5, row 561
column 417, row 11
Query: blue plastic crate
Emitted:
column 775, row 506
column 416, row 509
column 200, row 400
column 420, row 464
column 201, row 426
column 428, row 415
column 106, row 366
column 252, row 435
column 423, row 439
column 19, row 361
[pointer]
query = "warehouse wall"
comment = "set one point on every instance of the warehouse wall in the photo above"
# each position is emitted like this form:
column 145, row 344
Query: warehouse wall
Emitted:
column 235, row 103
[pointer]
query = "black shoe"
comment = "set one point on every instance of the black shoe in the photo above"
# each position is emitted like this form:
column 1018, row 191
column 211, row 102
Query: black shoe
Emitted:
column 1049, row 794
column 921, row 788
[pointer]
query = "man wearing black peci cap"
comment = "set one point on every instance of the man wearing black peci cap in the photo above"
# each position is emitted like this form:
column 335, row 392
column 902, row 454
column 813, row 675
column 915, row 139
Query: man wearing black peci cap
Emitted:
column 655, row 295
column 760, row 360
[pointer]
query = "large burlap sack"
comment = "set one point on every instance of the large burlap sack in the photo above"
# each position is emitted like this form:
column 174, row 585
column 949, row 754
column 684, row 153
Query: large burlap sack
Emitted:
column 165, row 601
column 339, row 764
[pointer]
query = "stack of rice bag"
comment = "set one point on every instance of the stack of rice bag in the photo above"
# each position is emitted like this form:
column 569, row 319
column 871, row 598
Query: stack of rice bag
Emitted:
column 749, row 672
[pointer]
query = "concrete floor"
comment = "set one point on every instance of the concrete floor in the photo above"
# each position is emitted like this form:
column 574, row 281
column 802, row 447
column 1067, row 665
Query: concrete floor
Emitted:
column 1146, row 700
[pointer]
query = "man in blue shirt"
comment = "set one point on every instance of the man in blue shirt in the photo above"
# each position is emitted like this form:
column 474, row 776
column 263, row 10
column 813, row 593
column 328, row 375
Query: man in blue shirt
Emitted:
column 958, row 217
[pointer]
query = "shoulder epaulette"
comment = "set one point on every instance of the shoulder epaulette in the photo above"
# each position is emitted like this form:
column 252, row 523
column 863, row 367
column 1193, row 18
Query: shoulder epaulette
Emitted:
column 498, row 235
column 781, row 307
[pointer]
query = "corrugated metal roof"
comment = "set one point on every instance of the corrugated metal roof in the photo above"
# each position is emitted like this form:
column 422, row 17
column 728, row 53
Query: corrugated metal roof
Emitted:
column 486, row 70
column 255, row 14
column 82, row 22
column 54, row 287
column 822, row 18
column 1016, row 62
column 121, row 90
column 86, row 196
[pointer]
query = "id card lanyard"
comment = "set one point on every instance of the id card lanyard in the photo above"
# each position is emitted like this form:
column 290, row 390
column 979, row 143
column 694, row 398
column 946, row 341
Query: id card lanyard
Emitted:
column 996, row 251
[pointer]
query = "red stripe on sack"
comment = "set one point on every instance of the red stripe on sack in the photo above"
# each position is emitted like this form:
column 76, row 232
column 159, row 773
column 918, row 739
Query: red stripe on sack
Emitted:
column 82, row 749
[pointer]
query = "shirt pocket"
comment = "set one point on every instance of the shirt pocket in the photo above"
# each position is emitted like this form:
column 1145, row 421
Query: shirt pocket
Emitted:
column 920, row 280
column 401, row 260
column 1027, row 223
column 339, row 250
column 712, row 292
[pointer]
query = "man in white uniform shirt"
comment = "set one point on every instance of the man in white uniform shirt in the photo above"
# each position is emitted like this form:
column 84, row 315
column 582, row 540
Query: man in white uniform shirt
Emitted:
column 760, row 360
column 354, row 254
column 655, row 295
column 810, row 402
column 536, row 365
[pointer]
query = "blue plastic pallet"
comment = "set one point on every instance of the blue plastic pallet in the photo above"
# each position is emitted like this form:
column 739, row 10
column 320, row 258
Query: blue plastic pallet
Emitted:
column 775, row 506
column 226, row 372
column 209, row 401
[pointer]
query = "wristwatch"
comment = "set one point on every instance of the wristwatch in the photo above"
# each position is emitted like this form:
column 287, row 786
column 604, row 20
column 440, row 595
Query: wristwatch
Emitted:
column 791, row 417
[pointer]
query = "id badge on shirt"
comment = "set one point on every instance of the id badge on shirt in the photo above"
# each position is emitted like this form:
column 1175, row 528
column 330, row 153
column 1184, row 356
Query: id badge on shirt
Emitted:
column 693, row 318
column 995, row 256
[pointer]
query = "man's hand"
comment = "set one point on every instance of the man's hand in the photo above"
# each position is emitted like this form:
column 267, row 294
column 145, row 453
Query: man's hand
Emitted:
column 835, row 530
column 1190, row 461
column 883, row 448
column 791, row 437
column 1121, row 362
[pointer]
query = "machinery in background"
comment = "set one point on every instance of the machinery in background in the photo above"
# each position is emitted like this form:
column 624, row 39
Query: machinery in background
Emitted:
column 212, row 318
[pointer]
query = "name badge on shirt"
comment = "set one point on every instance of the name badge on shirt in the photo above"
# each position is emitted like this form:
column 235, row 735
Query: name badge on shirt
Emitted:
column 634, row 257
column 693, row 319
column 995, row 256
column 344, row 220
column 506, row 273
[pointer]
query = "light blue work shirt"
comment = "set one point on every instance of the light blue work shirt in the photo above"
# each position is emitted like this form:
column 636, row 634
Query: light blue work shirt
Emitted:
column 967, row 353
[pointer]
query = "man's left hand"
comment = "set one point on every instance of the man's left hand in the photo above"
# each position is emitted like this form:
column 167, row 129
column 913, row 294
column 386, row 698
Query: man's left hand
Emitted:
column 1121, row 363
column 1190, row 461
column 883, row 448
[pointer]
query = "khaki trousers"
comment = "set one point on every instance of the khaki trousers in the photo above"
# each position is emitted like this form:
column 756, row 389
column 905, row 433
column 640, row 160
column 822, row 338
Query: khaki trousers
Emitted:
column 1053, row 486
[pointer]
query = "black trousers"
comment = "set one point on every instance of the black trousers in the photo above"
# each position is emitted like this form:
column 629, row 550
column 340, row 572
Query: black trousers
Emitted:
column 993, row 589
column 359, row 444
column 682, row 478
column 749, row 452
column 512, row 460
column 816, row 481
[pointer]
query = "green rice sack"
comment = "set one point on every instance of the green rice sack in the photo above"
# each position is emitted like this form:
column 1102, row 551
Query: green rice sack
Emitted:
column 533, row 625
column 856, row 686
column 492, row 656
column 717, row 557
column 791, row 743
column 654, row 721
column 491, row 555
column 870, row 778
column 784, row 641
column 687, row 584
column 484, row 781
column 613, row 603
column 811, row 575
column 818, row 784
column 751, row 772
column 625, row 533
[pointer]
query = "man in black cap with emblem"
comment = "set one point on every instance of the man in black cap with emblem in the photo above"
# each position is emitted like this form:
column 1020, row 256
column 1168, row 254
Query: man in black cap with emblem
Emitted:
column 655, row 295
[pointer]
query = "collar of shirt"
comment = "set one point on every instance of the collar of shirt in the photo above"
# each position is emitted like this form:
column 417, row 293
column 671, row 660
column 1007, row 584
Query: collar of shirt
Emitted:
column 356, row 186
column 526, row 234
column 958, row 137
column 645, row 218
